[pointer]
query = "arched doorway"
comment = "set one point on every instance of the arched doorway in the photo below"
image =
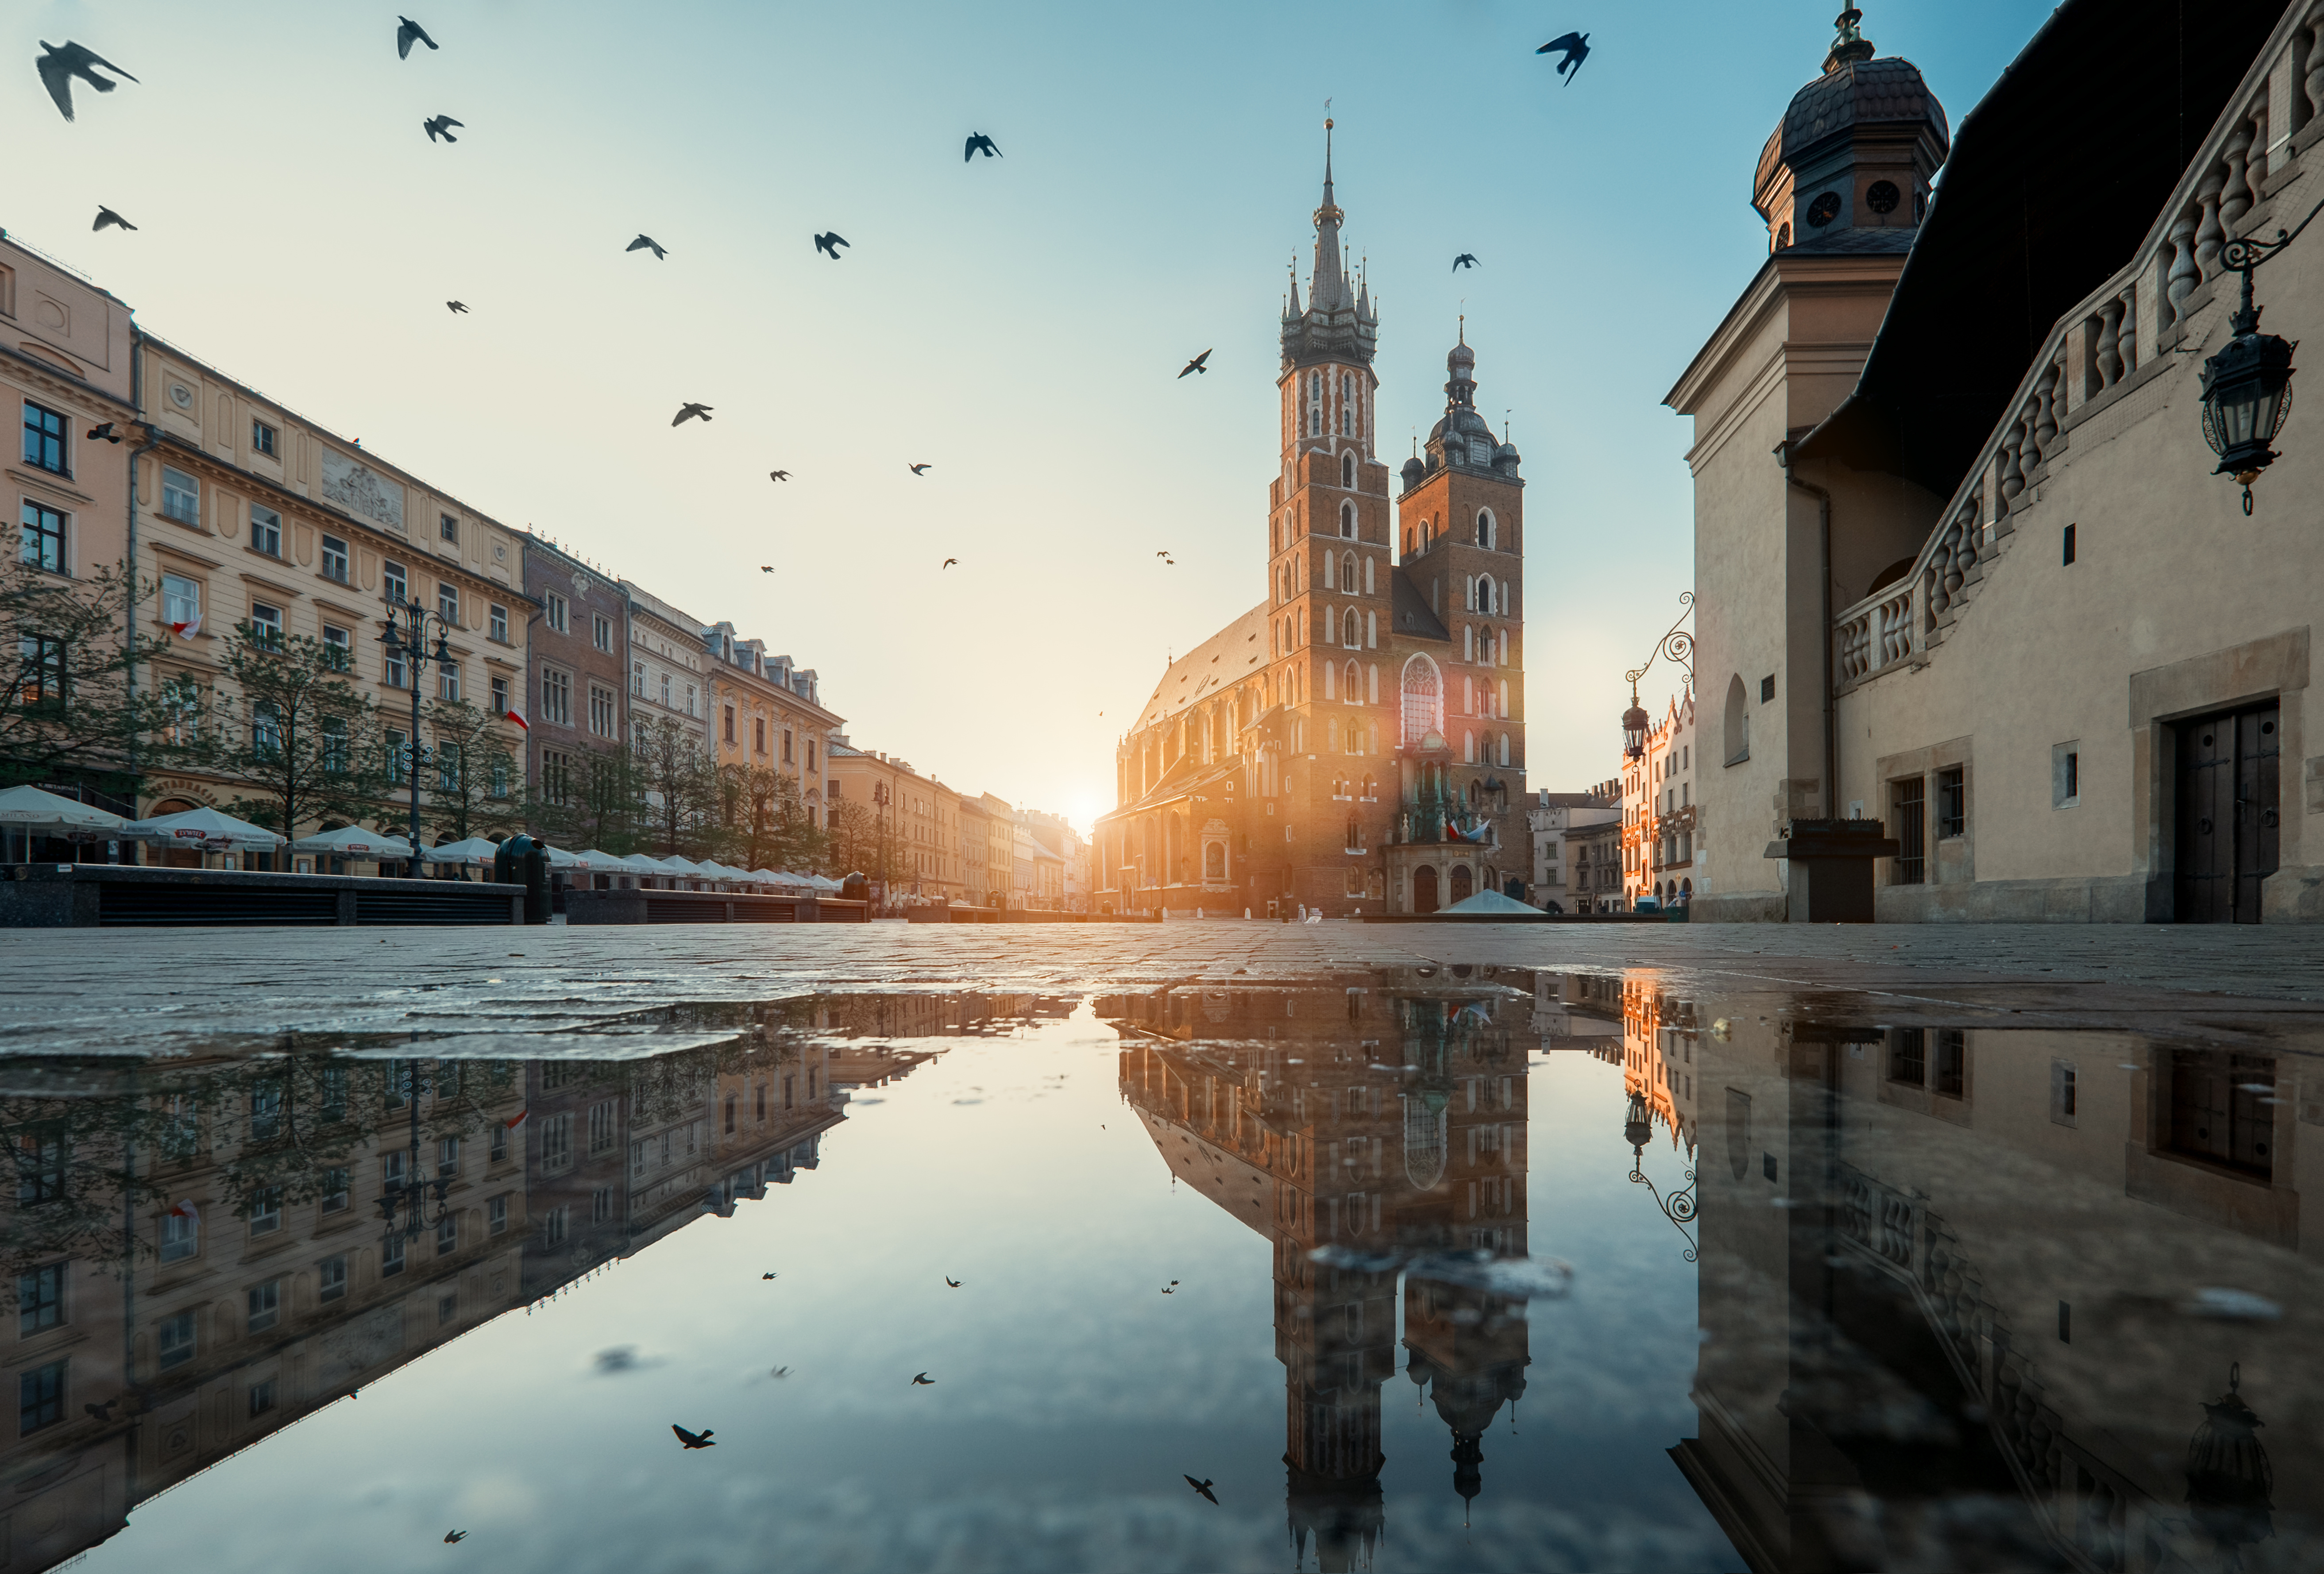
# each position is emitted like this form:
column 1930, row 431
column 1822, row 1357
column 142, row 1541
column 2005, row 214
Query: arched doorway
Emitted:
column 1424, row 888
column 1463, row 884
column 1513, row 888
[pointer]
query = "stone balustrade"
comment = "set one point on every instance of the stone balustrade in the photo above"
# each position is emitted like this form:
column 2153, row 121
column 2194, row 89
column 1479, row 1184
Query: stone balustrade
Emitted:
column 2117, row 338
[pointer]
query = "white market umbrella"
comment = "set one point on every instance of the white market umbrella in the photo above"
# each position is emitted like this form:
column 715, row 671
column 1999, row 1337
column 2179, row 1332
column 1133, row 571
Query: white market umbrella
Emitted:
column 354, row 842
column 39, row 813
column 205, row 828
column 475, row 852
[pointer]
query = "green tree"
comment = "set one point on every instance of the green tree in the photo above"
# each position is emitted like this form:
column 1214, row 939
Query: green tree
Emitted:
column 75, row 700
column 679, row 783
column 858, row 838
column 763, row 819
column 293, row 733
column 472, row 772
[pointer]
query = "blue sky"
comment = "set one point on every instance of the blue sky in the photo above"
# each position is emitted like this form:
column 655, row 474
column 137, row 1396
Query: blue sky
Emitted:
column 1017, row 323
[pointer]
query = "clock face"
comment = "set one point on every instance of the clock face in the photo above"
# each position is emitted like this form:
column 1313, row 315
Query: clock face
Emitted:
column 1883, row 197
column 1824, row 209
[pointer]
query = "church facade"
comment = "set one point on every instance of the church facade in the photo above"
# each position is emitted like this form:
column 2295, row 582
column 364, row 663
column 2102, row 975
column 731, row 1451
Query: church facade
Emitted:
column 1355, row 742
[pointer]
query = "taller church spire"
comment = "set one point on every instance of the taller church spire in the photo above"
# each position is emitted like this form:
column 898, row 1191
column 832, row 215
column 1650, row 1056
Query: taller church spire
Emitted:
column 1337, row 324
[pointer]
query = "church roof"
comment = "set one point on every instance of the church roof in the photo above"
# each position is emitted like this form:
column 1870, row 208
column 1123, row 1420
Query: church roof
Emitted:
column 1409, row 614
column 1215, row 664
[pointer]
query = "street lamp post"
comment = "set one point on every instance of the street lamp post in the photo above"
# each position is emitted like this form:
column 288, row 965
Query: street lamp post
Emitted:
column 411, row 1196
column 2247, row 385
column 881, row 798
column 404, row 632
column 1679, row 646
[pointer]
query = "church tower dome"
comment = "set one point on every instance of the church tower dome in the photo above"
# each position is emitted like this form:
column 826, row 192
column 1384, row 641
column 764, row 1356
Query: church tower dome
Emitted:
column 1848, row 168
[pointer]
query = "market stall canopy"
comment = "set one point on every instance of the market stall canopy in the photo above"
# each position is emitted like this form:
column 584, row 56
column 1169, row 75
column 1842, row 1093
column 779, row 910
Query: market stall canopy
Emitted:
column 475, row 852
column 40, row 812
column 204, row 827
column 355, row 841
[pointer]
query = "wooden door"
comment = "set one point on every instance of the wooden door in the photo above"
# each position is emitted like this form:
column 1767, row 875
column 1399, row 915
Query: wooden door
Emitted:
column 1424, row 888
column 2226, row 814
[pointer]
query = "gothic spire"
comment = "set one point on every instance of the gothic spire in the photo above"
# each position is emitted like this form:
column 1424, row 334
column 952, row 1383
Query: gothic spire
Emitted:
column 1329, row 286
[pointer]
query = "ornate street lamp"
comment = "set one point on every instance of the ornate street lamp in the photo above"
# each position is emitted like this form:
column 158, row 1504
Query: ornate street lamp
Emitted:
column 2230, row 1484
column 1679, row 646
column 404, row 632
column 1637, row 1130
column 2247, row 385
column 411, row 1196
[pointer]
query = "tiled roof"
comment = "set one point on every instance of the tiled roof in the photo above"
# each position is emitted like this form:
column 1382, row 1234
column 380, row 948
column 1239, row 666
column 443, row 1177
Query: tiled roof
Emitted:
column 1211, row 667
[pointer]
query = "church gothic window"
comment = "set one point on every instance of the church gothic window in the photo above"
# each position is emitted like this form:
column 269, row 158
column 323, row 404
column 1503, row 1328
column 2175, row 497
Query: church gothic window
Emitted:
column 1348, row 568
column 1354, row 690
column 1486, row 536
column 1422, row 699
column 1469, row 748
column 1368, row 576
column 1347, row 520
column 1372, row 686
column 1348, row 471
column 1353, row 631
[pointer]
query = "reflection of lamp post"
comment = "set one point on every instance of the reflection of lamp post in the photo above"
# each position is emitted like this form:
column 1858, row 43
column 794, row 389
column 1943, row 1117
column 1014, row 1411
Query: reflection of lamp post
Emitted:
column 405, row 634
column 2229, row 1481
column 1637, row 1130
column 410, row 1196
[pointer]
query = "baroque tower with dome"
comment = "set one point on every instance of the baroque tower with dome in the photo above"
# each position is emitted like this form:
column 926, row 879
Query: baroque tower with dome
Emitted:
column 1354, row 743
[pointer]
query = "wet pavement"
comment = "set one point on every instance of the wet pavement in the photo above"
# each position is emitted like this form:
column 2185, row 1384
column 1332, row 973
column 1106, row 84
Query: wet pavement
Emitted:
column 1529, row 1248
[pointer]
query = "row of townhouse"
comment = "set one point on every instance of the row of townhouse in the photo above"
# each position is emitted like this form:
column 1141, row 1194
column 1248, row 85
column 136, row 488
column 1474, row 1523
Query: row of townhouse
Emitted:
column 931, row 843
column 235, row 510
column 1632, row 835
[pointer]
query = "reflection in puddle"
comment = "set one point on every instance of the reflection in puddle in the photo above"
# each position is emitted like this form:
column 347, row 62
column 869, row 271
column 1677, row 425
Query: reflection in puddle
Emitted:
column 1966, row 1296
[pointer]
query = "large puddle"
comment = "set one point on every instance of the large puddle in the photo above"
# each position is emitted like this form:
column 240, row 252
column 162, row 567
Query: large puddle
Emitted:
column 1434, row 1268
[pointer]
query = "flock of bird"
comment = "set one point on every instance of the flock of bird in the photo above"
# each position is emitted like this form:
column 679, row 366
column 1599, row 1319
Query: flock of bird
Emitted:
column 60, row 64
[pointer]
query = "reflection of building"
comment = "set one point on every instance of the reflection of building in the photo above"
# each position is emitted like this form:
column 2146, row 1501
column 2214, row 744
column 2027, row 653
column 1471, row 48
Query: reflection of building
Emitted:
column 1952, row 1281
column 1658, row 1034
column 1355, row 1129
column 1660, row 841
column 1353, row 742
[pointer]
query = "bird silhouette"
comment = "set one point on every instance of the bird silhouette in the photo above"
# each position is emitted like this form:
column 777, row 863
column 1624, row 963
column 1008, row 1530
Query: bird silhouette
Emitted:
column 106, row 215
column 458, row 308
column 103, row 432
column 767, row 568
column 830, row 243
column 647, row 243
column 102, row 1411
column 779, row 475
column 952, row 1282
column 767, row 1275
column 440, row 127
column 61, row 64
column 1167, row 559
column 1167, row 1291
column 1465, row 260
column 924, row 1381
column 978, row 141
column 693, row 1440
column 920, row 469
column 451, row 1536
column 1196, row 365
column 686, row 412
column 779, row 1372
column 1202, row 1486
column 411, row 32
column 1574, row 47
column 947, row 563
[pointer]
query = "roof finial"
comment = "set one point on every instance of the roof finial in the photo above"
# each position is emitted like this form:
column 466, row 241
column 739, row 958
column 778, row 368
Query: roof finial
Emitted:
column 1465, row 328
column 1849, row 44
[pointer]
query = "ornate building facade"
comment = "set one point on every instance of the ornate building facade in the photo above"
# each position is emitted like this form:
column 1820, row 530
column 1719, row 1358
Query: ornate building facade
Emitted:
column 1355, row 741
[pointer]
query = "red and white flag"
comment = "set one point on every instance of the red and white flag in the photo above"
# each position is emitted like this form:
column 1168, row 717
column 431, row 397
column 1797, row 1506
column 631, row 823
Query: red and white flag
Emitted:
column 185, row 1209
column 517, row 717
column 517, row 1119
column 188, row 629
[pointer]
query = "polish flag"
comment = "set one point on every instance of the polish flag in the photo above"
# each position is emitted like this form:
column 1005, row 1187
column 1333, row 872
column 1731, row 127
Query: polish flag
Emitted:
column 517, row 717
column 188, row 629
column 517, row 1119
column 185, row 1209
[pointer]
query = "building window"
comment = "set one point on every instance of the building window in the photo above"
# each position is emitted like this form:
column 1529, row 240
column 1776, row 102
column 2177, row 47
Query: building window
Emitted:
column 1952, row 1063
column 266, row 1304
column 601, row 1127
column 265, row 530
column 447, row 1235
column 331, row 1279
column 759, row 734
column 787, row 746
column 180, row 1237
column 392, row 585
column 335, row 559
column 1908, row 1056
column 499, row 688
column 496, row 1215
column 448, row 681
column 265, row 625
column 665, row 691
column 390, row 1255
column 601, row 1205
column 2068, row 544
column 173, row 1340
column 448, row 604
column 689, row 700
column 601, row 631
column 181, row 497
column 40, row 1299
column 638, row 678
column 396, row 758
column 447, row 1157
column 261, row 438
column 338, row 647
column 43, row 544
column 2063, row 1093
column 556, row 614
column 500, row 623
column 601, row 711
column 40, row 1391
column 44, row 438
column 337, row 1189
column 555, row 775
column 554, row 1225
column 266, row 1210
column 1952, row 802
column 557, row 697
column 1909, row 800
column 448, row 528
column 810, row 757
column 262, row 1397
column 1486, row 535
column 556, row 1144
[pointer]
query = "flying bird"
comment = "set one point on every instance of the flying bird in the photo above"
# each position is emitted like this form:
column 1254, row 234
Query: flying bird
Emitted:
column 438, row 127
column 1574, row 47
column 767, row 568
column 952, row 1282
column 1465, row 260
column 779, row 475
column 830, row 243
column 411, row 32
column 106, row 215
column 1165, row 557
column 924, row 1381
column 947, row 563
column 61, row 64
column 450, row 1536
column 686, row 412
column 647, row 243
column 103, row 432
column 779, row 1372
column 1202, row 1486
column 920, row 469
column 978, row 141
column 458, row 308
column 1196, row 365
column 767, row 1275
column 693, row 1440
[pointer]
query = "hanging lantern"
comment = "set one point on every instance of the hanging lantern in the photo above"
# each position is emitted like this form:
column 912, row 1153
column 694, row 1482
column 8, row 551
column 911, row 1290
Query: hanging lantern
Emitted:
column 2229, row 1482
column 1638, row 1129
column 2247, row 385
column 1634, row 728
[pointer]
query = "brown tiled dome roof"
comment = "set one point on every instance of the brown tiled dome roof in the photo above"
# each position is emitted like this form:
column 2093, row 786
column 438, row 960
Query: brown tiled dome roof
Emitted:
column 1857, row 93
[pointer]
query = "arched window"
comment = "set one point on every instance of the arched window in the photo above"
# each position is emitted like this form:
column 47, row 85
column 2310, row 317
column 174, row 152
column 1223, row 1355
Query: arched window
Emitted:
column 1739, row 722
column 1488, row 536
column 1368, row 576
column 1327, row 682
column 1423, row 700
column 1484, row 593
column 1372, row 686
column 1427, row 534
column 1351, row 629
column 1348, row 570
column 1348, row 470
column 1352, row 690
column 1503, row 708
column 1331, row 575
column 1469, row 748
column 1468, row 643
column 1330, row 728
column 1505, row 748
column 1504, row 656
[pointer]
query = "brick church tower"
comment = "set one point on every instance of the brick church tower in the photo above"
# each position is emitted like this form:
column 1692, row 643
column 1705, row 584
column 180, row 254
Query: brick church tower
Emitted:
column 1353, row 743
